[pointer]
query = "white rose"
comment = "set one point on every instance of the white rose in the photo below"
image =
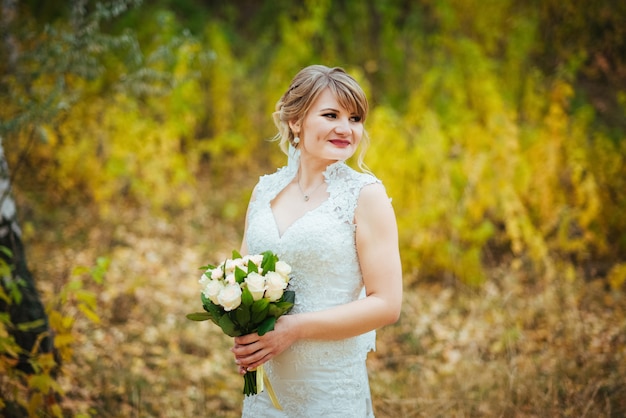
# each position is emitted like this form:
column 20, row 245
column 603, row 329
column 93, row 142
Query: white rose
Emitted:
column 204, row 280
column 212, row 289
column 283, row 269
column 275, row 286
column 230, row 266
column 230, row 279
column 230, row 297
column 256, row 259
column 217, row 273
column 256, row 285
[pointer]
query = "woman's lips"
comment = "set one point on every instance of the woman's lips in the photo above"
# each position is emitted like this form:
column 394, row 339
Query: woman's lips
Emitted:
column 340, row 143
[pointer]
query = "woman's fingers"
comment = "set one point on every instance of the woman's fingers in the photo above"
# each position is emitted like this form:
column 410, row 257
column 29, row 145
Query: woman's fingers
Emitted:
column 243, row 350
column 247, row 339
column 256, row 360
column 251, row 356
column 253, row 350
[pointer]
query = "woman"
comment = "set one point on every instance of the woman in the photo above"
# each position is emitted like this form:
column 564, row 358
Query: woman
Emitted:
column 337, row 229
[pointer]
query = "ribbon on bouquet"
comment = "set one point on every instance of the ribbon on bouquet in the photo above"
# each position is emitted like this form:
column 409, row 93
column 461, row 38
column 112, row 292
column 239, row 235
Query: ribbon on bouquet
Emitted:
column 262, row 382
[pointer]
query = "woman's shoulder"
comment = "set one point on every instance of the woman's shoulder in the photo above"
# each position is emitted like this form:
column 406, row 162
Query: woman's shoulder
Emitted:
column 348, row 174
column 369, row 187
column 272, row 181
column 346, row 185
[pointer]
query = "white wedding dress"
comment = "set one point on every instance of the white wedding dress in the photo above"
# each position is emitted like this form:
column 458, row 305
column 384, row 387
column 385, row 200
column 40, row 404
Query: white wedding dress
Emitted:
column 315, row 378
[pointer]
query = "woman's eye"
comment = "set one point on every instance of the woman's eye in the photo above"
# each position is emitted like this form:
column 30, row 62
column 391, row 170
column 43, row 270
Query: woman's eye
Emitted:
column 330, row 115
column 355, row 119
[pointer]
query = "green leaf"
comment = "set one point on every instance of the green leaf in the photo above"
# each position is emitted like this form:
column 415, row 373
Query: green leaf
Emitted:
column 14, row 289
column 274, row 311
column 246, row 297
column 267, row 325
column 204, row 299
column 252, row 267
column 5, row 297
column 32, row 325
column 5, row 269
column 259, row 310
column 43, row 383
column 236, row 254
column 289, row 296
column 98, row 272
column 216, row 311
column 5, row 318
column 242, row 315
column 199, row 316
column 279, row 309
column 285, row 305
column 260, row 305
column 240, row 275
column 207, row 267
column 228, row 326
column 89, row 312
column 6, row 251
column 269, row 261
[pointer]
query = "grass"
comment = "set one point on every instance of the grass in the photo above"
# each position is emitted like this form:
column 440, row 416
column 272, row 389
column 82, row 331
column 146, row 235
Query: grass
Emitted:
column 516, row 347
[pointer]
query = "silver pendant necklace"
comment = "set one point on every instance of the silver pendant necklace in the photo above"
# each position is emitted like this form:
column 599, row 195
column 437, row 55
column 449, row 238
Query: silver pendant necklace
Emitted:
column 308, row 196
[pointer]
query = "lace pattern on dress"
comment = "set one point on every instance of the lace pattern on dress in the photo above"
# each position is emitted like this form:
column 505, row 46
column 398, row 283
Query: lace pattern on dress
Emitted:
column 316, row 378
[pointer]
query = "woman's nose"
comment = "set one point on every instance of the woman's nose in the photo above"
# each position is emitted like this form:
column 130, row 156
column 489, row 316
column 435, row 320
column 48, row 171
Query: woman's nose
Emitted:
column 342, row 126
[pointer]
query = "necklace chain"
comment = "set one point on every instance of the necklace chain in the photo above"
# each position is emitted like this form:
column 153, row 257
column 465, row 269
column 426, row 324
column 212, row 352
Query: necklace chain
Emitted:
column 308, row 196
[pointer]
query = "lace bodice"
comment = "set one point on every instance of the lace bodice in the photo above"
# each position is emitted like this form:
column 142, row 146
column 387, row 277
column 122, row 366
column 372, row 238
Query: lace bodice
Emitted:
column 321, row 248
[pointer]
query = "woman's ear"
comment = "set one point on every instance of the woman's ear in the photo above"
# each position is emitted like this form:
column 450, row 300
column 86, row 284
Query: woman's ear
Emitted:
column 295, row 127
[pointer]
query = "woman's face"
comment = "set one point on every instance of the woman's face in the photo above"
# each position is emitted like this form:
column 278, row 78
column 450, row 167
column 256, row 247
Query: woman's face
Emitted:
column 329, row 131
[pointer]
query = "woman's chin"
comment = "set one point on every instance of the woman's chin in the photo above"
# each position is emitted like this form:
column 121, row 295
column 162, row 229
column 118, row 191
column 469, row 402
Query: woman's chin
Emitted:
column 340, row 153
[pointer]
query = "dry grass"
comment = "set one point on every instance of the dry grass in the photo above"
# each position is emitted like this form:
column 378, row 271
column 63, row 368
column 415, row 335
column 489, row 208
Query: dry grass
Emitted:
column 514, row 348
column 504, row 351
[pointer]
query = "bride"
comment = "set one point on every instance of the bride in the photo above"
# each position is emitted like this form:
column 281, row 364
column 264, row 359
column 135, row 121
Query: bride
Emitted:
column 336, row 227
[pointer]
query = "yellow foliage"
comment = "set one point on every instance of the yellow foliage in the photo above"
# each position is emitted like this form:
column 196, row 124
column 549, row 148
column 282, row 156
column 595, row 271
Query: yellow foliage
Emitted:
column 617, row 276
column 459, row 167
column 488, row 160
column 482, row 153
column 220, row 73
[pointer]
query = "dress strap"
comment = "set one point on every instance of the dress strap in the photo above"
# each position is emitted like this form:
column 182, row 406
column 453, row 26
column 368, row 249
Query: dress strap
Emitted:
column 344, row 187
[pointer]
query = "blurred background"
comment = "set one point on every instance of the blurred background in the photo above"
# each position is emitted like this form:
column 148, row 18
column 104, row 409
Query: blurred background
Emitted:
column 133, row 133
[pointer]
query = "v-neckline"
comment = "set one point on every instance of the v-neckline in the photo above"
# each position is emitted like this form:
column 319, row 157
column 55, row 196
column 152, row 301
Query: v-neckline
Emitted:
column 292, row 168
column 282, row 233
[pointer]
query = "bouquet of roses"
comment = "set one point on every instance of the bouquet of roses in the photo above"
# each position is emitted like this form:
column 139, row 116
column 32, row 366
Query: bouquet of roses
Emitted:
column 243, row 295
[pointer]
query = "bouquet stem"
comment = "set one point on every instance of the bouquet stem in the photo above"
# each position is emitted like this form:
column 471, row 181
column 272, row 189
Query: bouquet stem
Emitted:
column 256, row 381
column 249, row 383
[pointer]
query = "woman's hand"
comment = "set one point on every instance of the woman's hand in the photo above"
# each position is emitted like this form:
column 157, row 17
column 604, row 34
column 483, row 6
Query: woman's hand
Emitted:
column 253, row 350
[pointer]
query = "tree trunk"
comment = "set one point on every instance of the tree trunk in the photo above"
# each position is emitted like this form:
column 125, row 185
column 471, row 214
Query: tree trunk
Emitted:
column 9, row 12
column 28, row 317
column 36, row 337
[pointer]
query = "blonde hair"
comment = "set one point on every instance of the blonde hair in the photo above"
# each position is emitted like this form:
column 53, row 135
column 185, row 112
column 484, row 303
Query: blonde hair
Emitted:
column 304, row 89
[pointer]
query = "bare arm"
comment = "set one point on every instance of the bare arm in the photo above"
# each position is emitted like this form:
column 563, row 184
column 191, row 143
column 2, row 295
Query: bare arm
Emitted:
column 379, row 258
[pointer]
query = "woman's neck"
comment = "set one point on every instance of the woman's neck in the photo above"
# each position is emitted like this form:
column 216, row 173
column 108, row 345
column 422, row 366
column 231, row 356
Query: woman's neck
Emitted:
column 311, row 172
